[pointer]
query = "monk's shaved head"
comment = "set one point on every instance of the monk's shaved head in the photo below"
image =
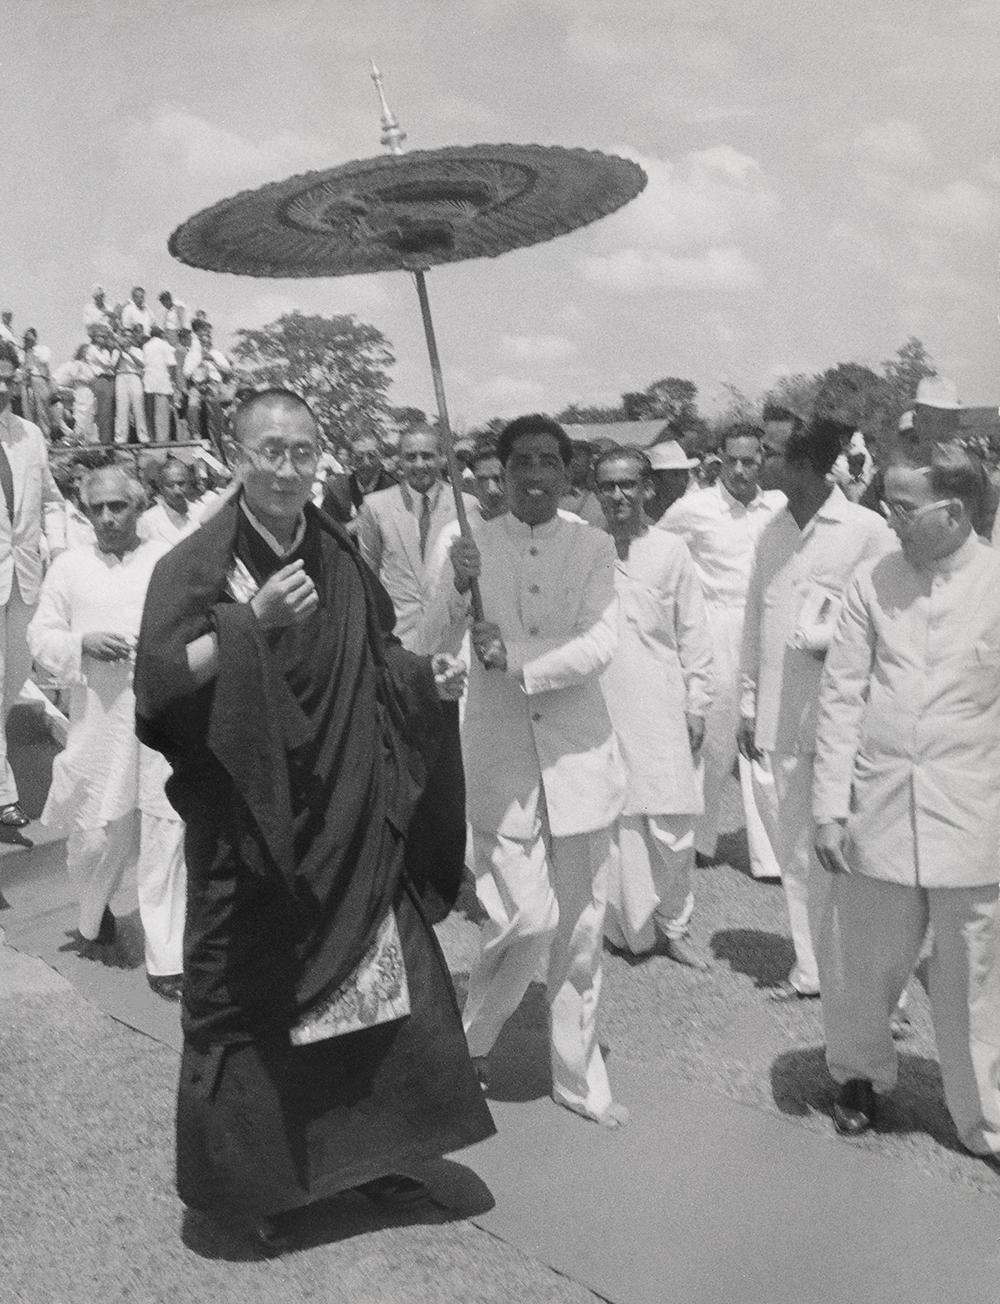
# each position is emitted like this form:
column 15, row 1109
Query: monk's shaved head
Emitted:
column 267, row 402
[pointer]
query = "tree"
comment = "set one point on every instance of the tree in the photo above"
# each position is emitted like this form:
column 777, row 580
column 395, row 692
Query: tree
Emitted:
column 796, row 393
column 905, row 371
column 339, row 363
column 575, row 414
column 670, row 399
column 856, row 396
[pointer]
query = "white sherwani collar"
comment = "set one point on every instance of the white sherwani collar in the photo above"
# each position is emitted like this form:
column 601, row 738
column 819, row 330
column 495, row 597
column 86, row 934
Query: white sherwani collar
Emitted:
column 521, row 531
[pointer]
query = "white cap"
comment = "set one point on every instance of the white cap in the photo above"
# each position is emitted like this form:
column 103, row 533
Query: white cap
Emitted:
column 938, row 392
column 669, row 456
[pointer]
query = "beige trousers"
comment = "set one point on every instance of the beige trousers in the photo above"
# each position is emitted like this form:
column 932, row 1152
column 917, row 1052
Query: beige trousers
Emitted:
column 719, row 750
column 789, row 822
column 649, row 880
column 545, row 898
column 871, row 939
column 15, row 664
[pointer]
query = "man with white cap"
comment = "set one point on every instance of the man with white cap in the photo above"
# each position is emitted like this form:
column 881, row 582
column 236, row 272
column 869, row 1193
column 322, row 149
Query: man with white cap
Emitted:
column 95, row 311
column 671, row 475
column 721, row 526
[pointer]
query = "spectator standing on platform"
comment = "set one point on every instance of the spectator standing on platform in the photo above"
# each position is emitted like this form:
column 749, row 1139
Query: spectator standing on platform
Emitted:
column 174, row 317
column 805, row 558
column 77, row 376
column 101, row 356
column 173, row 516
column 545, row 777
column 107, row 789
column 159, row 365
column 907, row 801
column 721, row 526
column 96, row 312
column 7, row 331
column 30, row 504
column 658, row 689
column 137, row 313
column 129, row 398
column 206, row 371
column 36, row 382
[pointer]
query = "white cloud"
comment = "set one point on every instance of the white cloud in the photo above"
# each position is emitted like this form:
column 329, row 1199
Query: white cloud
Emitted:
column 709, row 197
column 633, row 271
column 506, row 395
column 887, row 149
column 591, row 42
column 185, row 147
column 537, row 348
column 960, row 205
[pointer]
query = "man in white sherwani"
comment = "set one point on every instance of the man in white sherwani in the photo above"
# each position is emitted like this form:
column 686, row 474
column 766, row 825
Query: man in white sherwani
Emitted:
column 545, row 779
column 907, row 802
column 107, row 789
column 805, row 558
column 721, row 526
column 658, row 692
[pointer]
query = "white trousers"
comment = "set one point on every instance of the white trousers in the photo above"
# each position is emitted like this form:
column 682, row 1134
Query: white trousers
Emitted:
column 544, row 898
column 97, row 860
column 871, row 939
column 789, row 823
column 15, row 664
column 719, row 749
column 649, row 880
column 129, row 398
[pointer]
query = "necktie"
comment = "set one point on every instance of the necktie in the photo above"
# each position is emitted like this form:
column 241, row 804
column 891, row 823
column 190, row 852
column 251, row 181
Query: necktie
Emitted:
column 425, row 521
column 6, row 481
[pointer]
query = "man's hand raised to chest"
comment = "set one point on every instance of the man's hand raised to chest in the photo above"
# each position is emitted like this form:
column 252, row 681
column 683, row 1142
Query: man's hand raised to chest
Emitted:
column 288, row 598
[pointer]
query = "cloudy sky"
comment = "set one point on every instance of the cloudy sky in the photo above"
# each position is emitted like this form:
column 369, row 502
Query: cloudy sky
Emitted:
column 823, row 180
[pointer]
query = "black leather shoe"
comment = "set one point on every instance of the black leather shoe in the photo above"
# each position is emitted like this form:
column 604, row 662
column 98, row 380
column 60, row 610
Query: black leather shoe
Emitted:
column 855, row 1107
column 168, row 985
column 12, row 816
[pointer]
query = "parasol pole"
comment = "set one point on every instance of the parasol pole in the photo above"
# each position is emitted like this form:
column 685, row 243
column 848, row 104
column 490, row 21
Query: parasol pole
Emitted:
column 392, row 138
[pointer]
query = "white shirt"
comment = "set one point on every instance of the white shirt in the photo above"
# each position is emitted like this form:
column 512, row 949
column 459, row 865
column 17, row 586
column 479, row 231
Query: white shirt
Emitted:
column 158, row 358
column 104, row 772
column 908, row 736
column 722, row 535
column 175, row 317
column 95, row 316
column 793, row 571
column 133, row 315
column 162, row 523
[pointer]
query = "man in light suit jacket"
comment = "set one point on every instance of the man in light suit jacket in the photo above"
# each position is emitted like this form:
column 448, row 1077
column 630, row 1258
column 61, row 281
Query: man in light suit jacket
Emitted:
column 546, row 781
column 396, row 531
column 30, row 501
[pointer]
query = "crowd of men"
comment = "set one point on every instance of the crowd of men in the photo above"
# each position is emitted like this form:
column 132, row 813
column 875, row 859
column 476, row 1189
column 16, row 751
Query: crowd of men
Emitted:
column 347, row 709
column 142, row 375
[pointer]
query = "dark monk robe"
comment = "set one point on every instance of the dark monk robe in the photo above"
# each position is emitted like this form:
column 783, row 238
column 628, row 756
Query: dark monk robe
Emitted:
column 296, row 771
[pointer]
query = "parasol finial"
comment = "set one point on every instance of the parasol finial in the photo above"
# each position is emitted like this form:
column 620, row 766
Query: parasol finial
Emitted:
column 392, row 134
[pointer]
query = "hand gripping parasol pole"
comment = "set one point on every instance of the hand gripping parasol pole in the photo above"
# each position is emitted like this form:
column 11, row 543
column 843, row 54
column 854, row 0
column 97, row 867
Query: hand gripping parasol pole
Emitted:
column 392, row 139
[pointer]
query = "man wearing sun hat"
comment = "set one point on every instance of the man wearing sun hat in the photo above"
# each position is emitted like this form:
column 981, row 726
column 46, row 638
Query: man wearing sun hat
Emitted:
column 671, row 476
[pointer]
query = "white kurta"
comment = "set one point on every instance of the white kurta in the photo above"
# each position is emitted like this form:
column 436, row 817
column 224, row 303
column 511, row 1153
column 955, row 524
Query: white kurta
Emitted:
column 104, row 771
column 661, row 670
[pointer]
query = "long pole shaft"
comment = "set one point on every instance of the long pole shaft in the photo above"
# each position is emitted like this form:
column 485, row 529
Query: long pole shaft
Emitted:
column 447, row 439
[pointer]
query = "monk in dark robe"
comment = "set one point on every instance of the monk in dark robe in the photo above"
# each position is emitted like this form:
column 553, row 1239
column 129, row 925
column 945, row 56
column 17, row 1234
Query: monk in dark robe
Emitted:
column 323, row 1049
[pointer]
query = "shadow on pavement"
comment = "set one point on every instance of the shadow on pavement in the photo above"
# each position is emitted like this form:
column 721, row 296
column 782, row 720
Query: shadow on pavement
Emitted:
column 764, row 957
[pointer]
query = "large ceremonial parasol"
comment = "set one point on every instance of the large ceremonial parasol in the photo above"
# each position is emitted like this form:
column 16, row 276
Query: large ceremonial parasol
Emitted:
column 408, row 212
